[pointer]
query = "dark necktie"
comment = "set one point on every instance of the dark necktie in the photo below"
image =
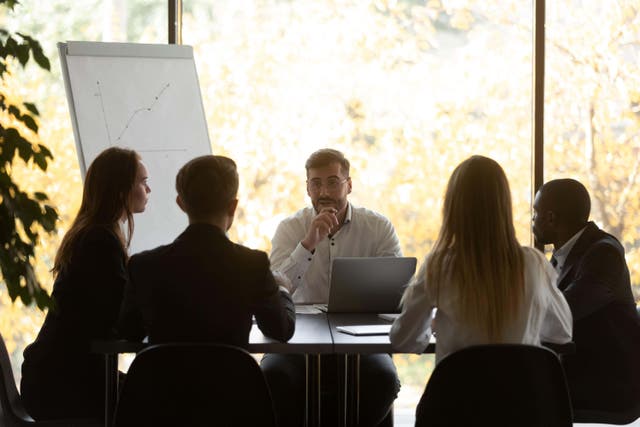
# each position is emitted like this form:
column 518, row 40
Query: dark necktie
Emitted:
column 554, row 261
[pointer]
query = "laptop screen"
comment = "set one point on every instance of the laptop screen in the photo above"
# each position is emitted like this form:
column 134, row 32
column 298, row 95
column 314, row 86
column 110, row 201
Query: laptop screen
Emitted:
column 369, row 284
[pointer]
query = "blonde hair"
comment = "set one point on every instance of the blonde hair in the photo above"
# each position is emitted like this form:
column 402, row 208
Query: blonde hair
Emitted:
column 477, row 252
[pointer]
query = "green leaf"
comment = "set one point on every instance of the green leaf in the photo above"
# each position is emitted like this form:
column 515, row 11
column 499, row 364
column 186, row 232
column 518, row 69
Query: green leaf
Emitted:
column 48, row 221
column 9, row 3
column 22, row 53
column 11, row 137
column 31, row 107
column 45, row 151
column 43, row 299
column 10, row 46
column 40, row 160
column 19, row 209
column 39, row 56
column 13, row 110
column 29, row 122
column 25, row 150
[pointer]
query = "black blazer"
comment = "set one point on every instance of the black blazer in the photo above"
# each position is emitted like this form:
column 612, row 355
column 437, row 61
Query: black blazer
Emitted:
column 61, row 377
column 604, row 372
column 203, row 287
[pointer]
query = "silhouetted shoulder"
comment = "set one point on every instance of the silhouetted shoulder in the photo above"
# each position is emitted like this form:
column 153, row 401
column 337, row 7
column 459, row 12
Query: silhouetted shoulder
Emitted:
column 253, row 257
column 100, row 235
column 96, row 243
column 608, row 242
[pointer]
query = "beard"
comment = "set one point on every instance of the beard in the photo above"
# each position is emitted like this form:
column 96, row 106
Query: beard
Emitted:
column 328, row 202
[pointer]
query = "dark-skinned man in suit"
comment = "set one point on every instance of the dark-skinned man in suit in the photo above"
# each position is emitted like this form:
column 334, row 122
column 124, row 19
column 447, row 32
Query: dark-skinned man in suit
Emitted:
column 604, row 373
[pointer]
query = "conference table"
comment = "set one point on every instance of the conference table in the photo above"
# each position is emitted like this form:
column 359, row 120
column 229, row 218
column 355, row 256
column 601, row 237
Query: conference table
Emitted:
column 316, row 334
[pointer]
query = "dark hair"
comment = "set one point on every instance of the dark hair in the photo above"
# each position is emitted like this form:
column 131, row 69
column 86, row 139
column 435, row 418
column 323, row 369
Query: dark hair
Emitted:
column 568, row 199
column 105, row 199
column 207, row 185
column 325, row 157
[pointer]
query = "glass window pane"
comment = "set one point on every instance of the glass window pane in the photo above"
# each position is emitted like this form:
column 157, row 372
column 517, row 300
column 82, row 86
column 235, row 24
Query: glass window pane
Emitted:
column 407, row 89
column 592, row 113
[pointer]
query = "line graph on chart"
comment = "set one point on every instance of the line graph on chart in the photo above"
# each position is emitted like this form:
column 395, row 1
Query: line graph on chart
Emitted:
column 134, row 114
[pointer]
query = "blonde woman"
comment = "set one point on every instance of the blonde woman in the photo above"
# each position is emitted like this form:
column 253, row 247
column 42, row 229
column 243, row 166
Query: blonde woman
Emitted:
column 486, row 287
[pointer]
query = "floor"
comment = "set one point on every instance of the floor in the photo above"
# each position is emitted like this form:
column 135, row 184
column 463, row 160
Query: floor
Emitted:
column 408, row 398
column 404, row 417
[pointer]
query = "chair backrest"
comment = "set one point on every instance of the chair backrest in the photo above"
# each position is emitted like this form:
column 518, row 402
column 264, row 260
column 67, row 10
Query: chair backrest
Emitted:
column 497, row 385
column 12, row 412
column 194, row 385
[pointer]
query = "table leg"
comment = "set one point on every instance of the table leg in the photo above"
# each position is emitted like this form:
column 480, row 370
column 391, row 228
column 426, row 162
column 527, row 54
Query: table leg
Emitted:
column 313, row 413
column 111, row 388
column 352, row 394
column 343, row 390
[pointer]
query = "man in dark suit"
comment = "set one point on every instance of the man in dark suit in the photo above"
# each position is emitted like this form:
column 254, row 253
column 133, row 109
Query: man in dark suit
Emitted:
column 604, row 372
column 203, row 287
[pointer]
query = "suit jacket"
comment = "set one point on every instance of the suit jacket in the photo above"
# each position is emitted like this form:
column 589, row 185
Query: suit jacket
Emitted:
column 203, row 287
column 61, row 377
column 604, row 372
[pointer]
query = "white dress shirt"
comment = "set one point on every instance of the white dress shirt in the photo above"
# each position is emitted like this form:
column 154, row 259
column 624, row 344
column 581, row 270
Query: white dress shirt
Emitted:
column 544, row 314
column 561, row 254
column 364, row 233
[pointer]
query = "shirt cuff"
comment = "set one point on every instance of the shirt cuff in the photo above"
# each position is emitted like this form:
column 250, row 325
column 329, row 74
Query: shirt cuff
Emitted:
column 302, row 256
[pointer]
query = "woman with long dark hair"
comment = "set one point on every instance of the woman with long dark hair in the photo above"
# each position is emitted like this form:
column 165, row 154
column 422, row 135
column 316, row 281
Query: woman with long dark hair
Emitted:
column 61, row 378
column 486, row 287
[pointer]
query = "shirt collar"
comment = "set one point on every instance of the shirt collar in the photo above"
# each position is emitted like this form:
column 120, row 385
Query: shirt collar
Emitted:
column 347, row 217
column 561, row 254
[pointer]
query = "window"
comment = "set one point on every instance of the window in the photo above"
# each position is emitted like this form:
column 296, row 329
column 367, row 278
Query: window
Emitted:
column 406, row 89
column 592, row 111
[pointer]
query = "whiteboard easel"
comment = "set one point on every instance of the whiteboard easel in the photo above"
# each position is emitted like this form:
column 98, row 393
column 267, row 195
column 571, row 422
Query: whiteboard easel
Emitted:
column 144, row 97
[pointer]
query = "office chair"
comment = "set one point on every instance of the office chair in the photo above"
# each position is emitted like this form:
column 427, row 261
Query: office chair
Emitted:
column 604, row 417
column 193, row 384
column 497, row 385
column 626, row 416
column 12, row 412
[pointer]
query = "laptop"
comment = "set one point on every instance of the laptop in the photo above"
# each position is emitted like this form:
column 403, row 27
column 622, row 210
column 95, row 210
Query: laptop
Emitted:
column 368, row 284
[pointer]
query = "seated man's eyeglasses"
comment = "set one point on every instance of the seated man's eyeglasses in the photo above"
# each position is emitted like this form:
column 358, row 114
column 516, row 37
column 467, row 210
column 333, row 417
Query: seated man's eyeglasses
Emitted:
column 332, row 184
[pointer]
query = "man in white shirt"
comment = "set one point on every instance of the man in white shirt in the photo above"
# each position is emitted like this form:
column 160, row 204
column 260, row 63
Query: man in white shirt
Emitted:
column 303, row 248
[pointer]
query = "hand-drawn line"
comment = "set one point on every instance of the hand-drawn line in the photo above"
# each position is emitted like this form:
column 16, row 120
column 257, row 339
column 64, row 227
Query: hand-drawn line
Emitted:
column 149, row 108
column 133, row 115
column 104, row 115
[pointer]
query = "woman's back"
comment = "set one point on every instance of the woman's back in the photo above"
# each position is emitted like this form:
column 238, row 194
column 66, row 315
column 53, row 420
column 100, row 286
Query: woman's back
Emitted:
column 541, row 315
column 487, row 288
column 60, row 375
